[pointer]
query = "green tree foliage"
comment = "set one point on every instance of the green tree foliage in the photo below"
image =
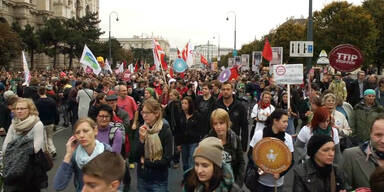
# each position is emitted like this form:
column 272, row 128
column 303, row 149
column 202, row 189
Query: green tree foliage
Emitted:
column 340, row 23
column 30, row 40
column 376, row 9
column 10, row 45
column 291, row 30
column 79, row 32
column 52, row 35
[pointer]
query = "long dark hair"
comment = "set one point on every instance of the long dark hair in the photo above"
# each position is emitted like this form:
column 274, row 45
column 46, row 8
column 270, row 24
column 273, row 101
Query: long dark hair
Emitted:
column 191, row 106
column 191, row 181
column 275, row 115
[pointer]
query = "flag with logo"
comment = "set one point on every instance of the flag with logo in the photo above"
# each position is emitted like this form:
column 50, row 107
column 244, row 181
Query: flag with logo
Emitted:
column 27, row 75
column 88, row 59
column 159, row 56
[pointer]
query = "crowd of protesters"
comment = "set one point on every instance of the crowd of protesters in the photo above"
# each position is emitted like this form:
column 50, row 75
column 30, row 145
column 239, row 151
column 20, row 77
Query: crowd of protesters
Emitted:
column 153, row 122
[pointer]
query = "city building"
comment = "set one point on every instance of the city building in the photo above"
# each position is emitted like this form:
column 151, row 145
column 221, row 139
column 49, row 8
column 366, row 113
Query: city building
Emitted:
column 142, row 42
column 209, row 52
column 33, row 12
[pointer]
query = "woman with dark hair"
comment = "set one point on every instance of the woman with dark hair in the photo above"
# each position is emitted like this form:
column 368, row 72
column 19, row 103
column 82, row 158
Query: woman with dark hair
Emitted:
column 318, row 173
column 275, row 126
column 95, row 105
column 188, row 134
column 105, row 129
column 209, row 172
column 320, row 125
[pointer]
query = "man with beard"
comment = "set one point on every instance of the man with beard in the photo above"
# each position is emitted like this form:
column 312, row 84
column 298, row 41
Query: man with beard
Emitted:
column 204, row 105
column 361, row 161
column 237, row 112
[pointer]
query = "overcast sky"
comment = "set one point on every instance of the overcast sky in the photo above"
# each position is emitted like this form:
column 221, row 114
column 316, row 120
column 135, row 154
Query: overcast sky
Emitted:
column 198, row 21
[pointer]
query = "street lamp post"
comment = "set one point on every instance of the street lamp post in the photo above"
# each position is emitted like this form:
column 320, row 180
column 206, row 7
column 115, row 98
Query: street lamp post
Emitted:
column 309, row 34
column 218, row 48
column 234, row 46
column 109, row 38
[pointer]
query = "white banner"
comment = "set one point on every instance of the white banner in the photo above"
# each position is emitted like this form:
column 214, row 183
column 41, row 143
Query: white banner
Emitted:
column 288, row 74
column 277, row 56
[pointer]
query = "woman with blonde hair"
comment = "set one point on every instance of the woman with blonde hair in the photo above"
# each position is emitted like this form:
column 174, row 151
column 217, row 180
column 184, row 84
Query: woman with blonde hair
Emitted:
column 153, row 149
column 233, row 152
column 81, row 148
column 27, row 128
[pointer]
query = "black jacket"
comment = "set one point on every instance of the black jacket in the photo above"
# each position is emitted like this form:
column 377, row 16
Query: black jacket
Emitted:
column 238, row 115
column 5, row 117
column 307, row 179
column 173, row 114
column 204, row 110
column 47, row 110
column 31, row 92
column 353, row 96
column 189, row 130
column 233, row 155
column 157, row 170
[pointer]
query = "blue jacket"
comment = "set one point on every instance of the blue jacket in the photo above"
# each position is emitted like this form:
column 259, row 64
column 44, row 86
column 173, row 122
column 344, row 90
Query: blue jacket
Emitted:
column 65, row 171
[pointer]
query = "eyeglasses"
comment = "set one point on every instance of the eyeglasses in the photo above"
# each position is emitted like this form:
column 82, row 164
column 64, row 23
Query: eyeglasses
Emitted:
column 103, row 116
column 21, row 109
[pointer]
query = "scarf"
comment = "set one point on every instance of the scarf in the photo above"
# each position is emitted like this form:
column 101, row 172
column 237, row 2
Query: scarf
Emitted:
column 23, row 126
column 263, row 105
column 153, row 149
column 267, row 132
column 82, row 156
column 323, row 172
column 320, row 131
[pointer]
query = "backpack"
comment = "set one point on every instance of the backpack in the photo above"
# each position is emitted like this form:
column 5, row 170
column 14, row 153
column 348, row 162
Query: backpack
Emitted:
column 18, row 160
column 111, row 136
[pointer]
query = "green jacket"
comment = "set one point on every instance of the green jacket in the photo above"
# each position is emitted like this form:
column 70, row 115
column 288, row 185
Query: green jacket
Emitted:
column 227, row 184
column 362, row 120
column 339, row 89
column 357, row 167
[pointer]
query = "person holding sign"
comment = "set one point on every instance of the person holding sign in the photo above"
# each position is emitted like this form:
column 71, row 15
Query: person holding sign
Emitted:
column 275, row 127
column 319, row 173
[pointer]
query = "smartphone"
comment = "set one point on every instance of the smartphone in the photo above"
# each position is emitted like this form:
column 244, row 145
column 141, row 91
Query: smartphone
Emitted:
column 75, row 142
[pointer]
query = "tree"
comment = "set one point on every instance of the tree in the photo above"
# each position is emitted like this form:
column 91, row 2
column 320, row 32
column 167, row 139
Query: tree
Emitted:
column 340, row 23
column 291, row 30
column 10, row 45
column 30, row 40
column 79, row 32
column 375, row 8
column 52, row 36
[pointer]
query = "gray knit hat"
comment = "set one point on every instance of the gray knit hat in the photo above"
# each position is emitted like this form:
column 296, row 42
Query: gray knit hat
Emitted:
column 210, row 148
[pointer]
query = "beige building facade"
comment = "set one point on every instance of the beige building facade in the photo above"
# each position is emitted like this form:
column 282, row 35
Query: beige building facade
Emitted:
column 33, row 12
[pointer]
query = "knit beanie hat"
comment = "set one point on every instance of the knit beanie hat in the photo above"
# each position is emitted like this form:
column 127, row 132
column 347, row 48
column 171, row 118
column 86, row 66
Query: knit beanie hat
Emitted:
column 315, row 143
column 151, row 91
column 210, row 148
column 369, row 92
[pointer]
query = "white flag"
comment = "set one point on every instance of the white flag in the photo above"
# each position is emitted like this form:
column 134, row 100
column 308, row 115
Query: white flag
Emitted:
column 107, row 66
column 130, row 67
column 27, row 75
column 121, row 68
column 88, row 59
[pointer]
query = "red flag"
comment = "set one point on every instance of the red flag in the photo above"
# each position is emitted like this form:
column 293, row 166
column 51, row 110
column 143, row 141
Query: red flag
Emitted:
column 152, row 68
column 185, row 52
column 125, row 64
column 267, row 51
column 178, row 53
column 234, row 73
column 203, row 60
column 163, row 63
column 171, row 72
column 182, row 75
column 136, row 67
